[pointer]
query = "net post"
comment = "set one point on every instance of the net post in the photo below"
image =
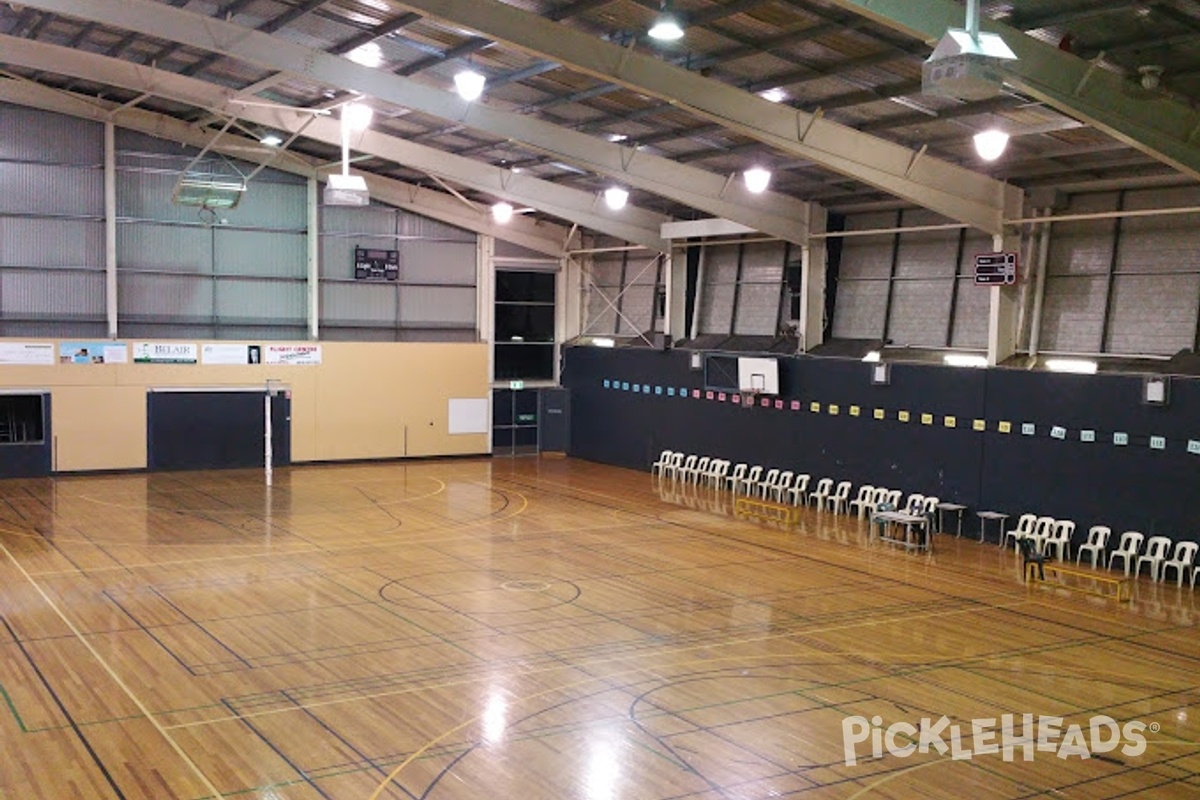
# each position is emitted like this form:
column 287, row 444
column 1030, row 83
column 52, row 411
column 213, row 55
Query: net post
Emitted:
column 268, row 453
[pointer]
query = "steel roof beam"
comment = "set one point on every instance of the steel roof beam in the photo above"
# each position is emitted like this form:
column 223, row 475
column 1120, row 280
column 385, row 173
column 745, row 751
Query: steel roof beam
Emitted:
column 1159, row 126
column 960, row 193
column 631, row 224
column 771, row 213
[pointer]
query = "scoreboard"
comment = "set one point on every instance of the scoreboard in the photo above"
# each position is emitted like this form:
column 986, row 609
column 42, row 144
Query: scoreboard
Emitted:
column 376, row 265
column 996, row 269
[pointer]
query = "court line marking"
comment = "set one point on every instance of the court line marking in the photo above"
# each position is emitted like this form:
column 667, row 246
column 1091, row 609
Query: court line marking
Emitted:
column 208, row 784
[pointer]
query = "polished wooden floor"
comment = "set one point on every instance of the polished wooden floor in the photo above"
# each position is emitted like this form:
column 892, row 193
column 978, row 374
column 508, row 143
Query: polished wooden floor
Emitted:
column 527, row 629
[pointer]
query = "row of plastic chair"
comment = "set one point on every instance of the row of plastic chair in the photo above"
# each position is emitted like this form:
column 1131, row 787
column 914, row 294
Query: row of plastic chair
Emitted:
column 1046, row 532
column 783, row 486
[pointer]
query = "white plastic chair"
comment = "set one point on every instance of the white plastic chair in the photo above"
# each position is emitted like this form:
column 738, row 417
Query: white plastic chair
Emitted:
column 718, row 468
column 658, row 466
column 746, row 485
column 781, row 485
column 1157, row 548
column 863, row 499
column 836, row 502
column 798, row 491
column 691, row 474
column 763, row 487
column 1129, row 547
column 1060, row 539
column 732, row 480
column 673, row 465
column 913, row 504
column 824, row 488
column 1096, row 544
column 1024, row 528
column 1041, row 532
column 1184, row 559
column 892, row 497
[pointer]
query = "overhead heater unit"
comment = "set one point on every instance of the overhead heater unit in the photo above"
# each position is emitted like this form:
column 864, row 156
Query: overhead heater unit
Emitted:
column 346, row 190
column 967, row 64
column 211, row 185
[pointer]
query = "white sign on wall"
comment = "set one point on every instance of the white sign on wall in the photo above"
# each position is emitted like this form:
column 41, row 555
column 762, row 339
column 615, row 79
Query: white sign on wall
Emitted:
column 40, row 353
column 293, row 354
column 231, row 354
column 164, row 353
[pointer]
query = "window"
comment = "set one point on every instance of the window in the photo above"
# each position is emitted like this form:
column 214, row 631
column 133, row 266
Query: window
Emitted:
column 524, row 325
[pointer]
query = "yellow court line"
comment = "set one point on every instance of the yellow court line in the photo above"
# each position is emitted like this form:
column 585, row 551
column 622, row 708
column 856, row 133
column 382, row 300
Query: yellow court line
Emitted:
column 208, row 785
column 590, row 664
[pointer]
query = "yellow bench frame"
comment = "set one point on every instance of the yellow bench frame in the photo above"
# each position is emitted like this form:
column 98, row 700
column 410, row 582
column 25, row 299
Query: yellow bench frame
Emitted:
column 1120, row 583
column 766, row 510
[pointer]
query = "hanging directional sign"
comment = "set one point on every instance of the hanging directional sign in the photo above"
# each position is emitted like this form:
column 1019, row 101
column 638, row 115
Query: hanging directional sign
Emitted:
column 995, row 269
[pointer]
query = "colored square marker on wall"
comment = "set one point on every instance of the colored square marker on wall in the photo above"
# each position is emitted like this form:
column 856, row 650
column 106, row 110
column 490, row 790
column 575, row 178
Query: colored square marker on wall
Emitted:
column 1058, row 432
column 880, row 413
column 1087, row 436
column 902, row 416
column 1004, row 427
column 979, row 424
column 1158, row 443
column 1120, row 438
column 927, row 419
column 951, row 422
column 814, row 408
column 855, row 411
column 1028, row 428
column 1194, row 446
column 833, row 410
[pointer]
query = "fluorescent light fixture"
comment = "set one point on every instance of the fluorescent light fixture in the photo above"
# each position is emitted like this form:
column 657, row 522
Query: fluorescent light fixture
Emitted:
column 776, row 95
column 469, row 84
column 757, row 179
column 369, row 55
column 603, row 341
column 1079, row 366
column 990, row 144
column 871, row 357
column 502, row 212
column 666, row 27
column 617, row 137
column 615, row 197
column 964, row 360
column 271, row 139
column 357, row 116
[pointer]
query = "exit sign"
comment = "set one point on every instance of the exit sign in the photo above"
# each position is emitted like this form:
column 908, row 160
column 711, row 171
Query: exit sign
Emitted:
column 995, row 269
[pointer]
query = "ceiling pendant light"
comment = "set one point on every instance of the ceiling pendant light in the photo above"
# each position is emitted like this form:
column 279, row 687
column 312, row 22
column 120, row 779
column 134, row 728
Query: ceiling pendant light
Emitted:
column 469, row 84
column 615, row 197
column 990, row 144
column 666, row 27
column 757, row 179
column 502, row 212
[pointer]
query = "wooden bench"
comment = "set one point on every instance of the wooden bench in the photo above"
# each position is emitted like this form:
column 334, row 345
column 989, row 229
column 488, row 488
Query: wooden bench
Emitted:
column 1119, row 583
column 766, row 510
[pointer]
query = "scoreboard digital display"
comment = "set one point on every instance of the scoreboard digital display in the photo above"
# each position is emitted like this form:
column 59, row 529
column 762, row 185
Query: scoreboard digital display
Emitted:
column 996, row 269
column 376, row 265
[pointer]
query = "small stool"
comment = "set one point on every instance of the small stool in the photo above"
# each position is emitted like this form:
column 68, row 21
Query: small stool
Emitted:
column 984, row 516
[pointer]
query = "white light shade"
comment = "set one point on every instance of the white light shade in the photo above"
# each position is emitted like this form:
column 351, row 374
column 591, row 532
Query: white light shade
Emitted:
column 369, row 55
column 666, row 29
column 357, row 116
column 990, row 144
column 871, row 357
column 776, row 95
column 964, row 360
column 615, row 197
column 1079, row 366
column 757, row 179
column 502, row 212
column 271, row 139
column 603, row 341
column 469, row 84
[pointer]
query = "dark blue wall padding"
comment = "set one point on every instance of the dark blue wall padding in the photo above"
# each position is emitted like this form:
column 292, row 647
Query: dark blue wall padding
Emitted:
column 1130, row 487
column 214, row 430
